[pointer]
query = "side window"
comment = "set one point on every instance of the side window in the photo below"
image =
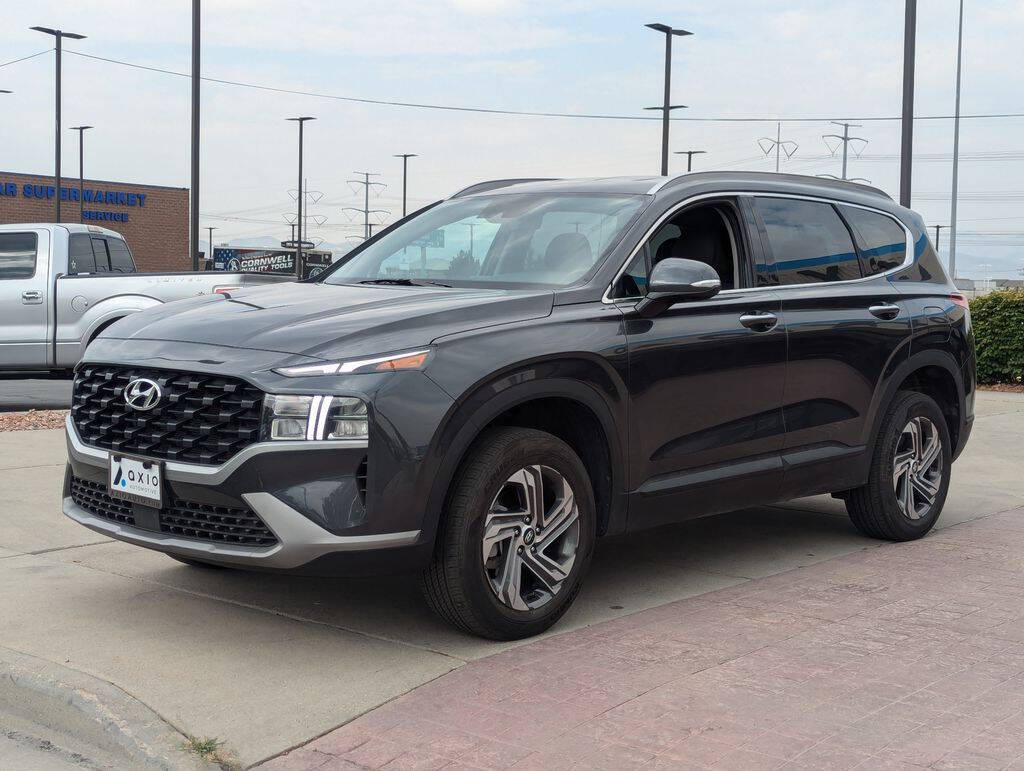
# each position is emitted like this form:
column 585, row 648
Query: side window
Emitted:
column 80, row 256
column 882, row 242
column 808, row 241
column 120, row 258
column 17, row 255
column 99, row 248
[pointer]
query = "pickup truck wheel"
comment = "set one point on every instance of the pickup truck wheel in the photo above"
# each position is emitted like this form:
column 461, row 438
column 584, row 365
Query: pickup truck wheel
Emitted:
column 909, row 474
column 516, row 538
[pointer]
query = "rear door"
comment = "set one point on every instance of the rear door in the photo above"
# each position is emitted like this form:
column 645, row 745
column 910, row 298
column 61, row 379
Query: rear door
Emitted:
column 847, row 328
column 24, row 298
column 705, row 377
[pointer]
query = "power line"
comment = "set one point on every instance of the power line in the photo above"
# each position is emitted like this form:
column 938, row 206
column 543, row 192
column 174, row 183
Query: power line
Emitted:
column 25, row 58
column 530, row 113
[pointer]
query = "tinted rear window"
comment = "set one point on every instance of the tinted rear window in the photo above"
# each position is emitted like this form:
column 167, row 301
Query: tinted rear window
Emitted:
column 17, row 255
column 80, row 256
column 882, row 242
column 120, row 257
column 808, row 240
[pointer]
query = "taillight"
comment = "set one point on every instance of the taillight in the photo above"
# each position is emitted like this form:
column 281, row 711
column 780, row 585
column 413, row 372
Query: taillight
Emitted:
column 959, row 299
column 225, row 289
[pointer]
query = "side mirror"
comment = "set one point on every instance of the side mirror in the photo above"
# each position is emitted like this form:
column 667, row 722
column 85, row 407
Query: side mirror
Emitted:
column 675, row 279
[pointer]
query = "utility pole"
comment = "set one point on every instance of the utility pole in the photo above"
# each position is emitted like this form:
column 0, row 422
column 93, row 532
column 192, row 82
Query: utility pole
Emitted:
column 301, row 120
column 779, row 145
column 209, row 230
column 472, row 231
column 194, row 213
column 366, row 210
column 689, row 156
column 667, row 106
column 845, row 139
column 937, row 229
column 405, row 169
column 907, row 137
column 956, row 148
column 81, row 167
column 58, row 35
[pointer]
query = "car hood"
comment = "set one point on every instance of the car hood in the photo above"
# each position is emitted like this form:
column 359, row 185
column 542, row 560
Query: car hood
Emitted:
column 332, row 321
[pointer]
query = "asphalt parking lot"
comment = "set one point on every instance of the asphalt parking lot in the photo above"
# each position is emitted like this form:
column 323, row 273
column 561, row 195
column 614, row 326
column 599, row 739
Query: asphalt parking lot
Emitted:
column 264, row 663
column 18, row 392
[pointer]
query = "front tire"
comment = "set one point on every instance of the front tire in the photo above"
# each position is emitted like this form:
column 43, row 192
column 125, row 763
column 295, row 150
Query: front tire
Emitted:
column 516, row 538
column 909, row 474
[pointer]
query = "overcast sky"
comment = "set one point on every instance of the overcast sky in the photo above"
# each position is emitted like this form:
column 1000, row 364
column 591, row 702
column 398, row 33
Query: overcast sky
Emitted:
column 747, row 58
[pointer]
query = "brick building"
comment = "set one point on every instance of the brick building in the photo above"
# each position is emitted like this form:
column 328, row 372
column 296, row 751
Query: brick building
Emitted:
column 152, row 218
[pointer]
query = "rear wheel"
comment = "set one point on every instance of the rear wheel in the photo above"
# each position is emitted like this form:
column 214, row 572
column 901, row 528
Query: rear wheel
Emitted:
column 909, row 474
column 517, row 536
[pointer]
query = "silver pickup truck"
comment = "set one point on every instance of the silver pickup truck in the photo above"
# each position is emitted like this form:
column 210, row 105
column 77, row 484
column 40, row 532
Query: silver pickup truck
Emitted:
column 61, row 284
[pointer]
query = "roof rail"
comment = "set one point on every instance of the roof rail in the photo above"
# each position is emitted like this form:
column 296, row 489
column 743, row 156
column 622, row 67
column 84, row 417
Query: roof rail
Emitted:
column 494, row 184
column 842, row 184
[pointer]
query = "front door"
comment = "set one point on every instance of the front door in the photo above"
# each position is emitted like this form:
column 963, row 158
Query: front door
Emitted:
column 705, row 378
column 24, row 299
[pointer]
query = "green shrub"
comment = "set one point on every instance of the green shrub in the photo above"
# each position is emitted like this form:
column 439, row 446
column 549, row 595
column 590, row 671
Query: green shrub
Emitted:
column 999, row 336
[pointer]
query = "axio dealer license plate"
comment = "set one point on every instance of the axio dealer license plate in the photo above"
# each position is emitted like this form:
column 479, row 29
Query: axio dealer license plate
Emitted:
column 135, row 480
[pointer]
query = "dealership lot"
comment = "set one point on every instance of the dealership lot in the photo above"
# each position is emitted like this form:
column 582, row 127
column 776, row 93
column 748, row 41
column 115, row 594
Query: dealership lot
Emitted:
column 268, row 662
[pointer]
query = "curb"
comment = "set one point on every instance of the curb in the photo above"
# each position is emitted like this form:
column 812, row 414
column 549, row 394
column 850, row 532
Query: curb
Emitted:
column 91, row 711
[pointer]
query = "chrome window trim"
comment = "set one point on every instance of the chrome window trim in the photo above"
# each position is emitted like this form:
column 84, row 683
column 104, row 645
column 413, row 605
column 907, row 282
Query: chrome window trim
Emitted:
column 907, row 260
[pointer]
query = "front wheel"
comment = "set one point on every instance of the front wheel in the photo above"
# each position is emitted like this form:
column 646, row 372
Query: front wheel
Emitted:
column 909, row 474
column 516, row 538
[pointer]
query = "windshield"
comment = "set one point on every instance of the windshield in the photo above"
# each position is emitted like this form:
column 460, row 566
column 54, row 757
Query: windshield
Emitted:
column 512, row 240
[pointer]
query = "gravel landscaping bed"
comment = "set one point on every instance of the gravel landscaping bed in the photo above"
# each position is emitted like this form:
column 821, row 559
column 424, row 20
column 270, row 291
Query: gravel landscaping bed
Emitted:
column 26, row 421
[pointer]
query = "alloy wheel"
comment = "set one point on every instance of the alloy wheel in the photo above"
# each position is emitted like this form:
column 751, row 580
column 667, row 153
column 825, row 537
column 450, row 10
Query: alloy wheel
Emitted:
column 531, row 535
column 917, row 468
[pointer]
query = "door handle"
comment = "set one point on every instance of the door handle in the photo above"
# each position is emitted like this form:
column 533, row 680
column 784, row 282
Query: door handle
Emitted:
column 31, row 297
column 759, row 321
column 885, row 311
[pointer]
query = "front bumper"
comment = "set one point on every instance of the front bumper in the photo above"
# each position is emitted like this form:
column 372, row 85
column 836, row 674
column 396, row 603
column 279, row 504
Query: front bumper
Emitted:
column 305, row 493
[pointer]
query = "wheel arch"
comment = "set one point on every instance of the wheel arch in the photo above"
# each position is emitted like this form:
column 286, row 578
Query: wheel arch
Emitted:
column 541, row 395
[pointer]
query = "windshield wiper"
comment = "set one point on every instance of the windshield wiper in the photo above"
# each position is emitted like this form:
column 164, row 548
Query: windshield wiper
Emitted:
column 405, row 282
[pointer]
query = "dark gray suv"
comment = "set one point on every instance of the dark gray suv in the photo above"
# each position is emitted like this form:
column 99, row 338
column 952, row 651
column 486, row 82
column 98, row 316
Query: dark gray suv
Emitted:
column 487, row 386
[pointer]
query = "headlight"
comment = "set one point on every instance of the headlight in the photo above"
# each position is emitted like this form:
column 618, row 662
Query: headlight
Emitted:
column 287, row 417
column 391, row 362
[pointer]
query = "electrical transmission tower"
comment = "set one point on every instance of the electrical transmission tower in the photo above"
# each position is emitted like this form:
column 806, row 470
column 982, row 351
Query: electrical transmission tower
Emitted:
column 845, row 139
column 366, row 184
column 779, row 145
column 309, row 197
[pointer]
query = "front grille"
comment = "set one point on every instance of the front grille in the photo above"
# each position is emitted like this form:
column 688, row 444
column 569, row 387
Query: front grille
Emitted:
column 93, row 497
column 187, row 519
column 200, row 418
column 215, row 523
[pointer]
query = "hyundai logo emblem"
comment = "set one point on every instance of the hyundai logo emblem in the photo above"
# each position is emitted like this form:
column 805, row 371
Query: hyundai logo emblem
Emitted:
column 142, row 394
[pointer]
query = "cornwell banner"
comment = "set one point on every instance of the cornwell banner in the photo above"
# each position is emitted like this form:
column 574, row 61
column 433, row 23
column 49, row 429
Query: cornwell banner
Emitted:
column 277, row 261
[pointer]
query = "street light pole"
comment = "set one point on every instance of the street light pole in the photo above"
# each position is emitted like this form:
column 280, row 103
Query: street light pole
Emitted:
column 81, row 166
column 907, row 138
column 58, row 35
column 194, row 212
column 405, row 163
column 689, row 156
column 956, row 148
column 667, row 105
column 937, row 229
column 298, row 249
column 209, row 230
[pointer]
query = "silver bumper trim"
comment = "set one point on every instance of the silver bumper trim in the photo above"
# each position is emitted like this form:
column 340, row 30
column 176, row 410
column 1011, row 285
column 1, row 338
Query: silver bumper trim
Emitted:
column 299, row 540
column 205, row 475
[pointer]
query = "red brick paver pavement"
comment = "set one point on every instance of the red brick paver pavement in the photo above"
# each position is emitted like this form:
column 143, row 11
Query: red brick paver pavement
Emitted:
column 902, row 656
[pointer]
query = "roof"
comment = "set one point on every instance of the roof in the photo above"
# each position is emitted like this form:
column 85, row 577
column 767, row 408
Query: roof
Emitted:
column 753, row 181
column 71, row 227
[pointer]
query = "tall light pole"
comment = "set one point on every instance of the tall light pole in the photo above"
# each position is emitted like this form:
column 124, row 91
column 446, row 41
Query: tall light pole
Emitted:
column 907, row 124
column 81, row 166
column 938, row 228
column 194, row 185
column 405, row 164
column 58, row 35
column 667, row 107
column 956, row 148
column 298, row 249
column 209, row 230
column 689, row 156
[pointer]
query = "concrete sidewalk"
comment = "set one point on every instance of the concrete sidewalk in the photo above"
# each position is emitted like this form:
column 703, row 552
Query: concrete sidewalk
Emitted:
column 268, row 662
column 907, row 655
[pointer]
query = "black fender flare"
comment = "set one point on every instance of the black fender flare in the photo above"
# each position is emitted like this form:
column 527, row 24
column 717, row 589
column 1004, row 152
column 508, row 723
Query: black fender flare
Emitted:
column 475, row 410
